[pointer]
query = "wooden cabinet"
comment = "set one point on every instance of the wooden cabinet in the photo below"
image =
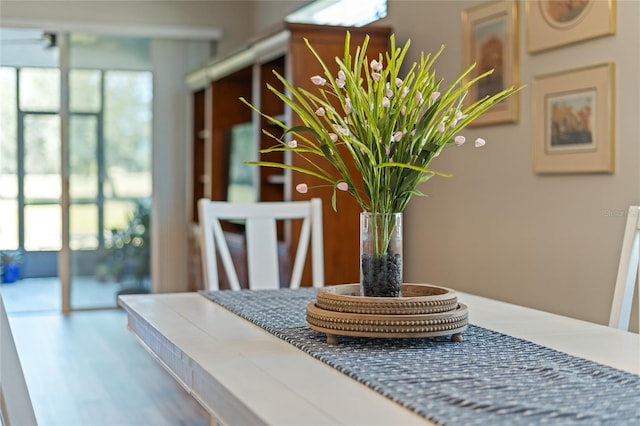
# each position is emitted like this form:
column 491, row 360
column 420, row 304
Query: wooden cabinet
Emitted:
column 217, row 110
column 199, row 136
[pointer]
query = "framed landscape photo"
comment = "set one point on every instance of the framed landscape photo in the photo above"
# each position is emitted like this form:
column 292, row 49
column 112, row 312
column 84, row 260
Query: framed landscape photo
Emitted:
column 554, row 23
column 490, row 36
column 573, row 114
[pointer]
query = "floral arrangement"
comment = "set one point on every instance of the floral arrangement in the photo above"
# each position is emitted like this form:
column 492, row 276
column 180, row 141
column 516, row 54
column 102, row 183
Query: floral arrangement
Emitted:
column 369, row 119
column 372, row 133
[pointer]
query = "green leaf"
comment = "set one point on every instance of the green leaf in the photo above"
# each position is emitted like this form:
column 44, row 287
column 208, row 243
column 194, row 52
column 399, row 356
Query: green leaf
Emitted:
column 333, row 200
column 363, row 155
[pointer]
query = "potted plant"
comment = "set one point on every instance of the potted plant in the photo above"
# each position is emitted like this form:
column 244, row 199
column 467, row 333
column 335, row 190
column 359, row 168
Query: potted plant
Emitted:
column 10, row 265
column 127, row 253
column 372, row 132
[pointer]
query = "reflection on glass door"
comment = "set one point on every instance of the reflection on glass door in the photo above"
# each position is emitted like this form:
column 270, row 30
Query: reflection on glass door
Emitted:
column 109, row 169
column 85, row 123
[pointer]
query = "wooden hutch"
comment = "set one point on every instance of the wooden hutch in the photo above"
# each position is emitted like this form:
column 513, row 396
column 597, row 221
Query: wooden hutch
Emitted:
column 216, row 90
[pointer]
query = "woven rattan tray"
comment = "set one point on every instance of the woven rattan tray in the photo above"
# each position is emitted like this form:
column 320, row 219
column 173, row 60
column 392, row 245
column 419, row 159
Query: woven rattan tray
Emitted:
column 416, row 299
column 422, row 311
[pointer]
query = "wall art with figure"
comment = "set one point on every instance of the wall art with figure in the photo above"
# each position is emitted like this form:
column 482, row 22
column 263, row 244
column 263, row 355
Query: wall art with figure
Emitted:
column 556, row 23
column 570, row 120
column 491, row 43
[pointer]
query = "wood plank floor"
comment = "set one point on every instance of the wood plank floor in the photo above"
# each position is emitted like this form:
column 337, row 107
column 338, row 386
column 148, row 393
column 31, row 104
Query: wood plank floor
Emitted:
column 87, row 369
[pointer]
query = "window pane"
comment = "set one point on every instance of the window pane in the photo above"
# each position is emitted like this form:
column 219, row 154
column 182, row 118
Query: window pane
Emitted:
column 123, row 183
column 9, row 224
column 106, row 51
column 128, row 97
column 8, row 161
column 8, row 114
column 83, row 221
column 340, row 12
column 40, row 89
column 42, row 227
column 84, row 88
column 83, row 163
column 117, row 215
column 42, row 157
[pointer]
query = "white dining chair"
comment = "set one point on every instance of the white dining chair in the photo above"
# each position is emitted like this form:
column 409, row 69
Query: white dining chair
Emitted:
column 261, row 236
column 627, row 273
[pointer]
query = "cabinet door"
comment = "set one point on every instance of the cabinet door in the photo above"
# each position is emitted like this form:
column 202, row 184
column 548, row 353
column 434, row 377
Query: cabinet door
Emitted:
column 271, row 179
column 341, row 228
column 226, row 113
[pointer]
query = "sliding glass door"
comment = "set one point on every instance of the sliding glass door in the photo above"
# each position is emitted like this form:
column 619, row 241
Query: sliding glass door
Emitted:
column 75, row 166
column 109, row 168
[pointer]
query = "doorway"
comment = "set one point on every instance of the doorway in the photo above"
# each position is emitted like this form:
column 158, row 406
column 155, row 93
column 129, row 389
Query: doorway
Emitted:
column 75, row 167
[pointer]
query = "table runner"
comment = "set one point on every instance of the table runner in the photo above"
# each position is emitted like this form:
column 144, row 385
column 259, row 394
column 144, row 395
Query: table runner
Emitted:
column 488, row 379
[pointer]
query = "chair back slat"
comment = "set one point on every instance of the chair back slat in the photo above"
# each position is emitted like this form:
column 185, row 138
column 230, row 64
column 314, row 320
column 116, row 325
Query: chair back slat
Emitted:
column 225, row 257
column 261, row 234
column 301, row 255
column 262, row 253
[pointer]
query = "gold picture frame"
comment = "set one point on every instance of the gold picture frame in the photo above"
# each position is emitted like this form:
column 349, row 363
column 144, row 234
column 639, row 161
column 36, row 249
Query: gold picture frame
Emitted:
column 490, row 38
column 555, row 23
column 573, row 121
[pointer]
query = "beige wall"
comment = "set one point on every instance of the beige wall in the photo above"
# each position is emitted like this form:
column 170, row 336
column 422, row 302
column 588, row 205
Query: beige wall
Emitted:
column 496, row 228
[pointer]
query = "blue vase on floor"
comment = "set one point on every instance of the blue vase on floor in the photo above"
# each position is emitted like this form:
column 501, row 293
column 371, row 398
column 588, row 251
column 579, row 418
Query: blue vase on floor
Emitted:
column 10, row 273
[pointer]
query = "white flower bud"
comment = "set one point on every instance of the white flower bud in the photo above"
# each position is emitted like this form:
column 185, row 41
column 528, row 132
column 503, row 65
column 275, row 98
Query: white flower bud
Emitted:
column 318, row 81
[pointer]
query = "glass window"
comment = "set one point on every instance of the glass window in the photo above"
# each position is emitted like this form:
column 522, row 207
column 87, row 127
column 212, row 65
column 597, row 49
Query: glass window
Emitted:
column 84, row 91
column 83, row 160
column 40, row 89
column 8, row 136
column 43, row 227
column 117, row 215
column 42, row 157
column 83, row 225
column 8, row 224
column 127, row 116
column 8, row 160
column 105, row 51
column 340, row 12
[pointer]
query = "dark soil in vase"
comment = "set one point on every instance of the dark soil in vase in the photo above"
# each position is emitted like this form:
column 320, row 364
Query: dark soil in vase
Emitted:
column 381, row 275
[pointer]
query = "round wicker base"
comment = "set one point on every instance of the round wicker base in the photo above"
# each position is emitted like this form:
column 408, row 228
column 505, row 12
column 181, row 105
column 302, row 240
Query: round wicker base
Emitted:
column 422, row 311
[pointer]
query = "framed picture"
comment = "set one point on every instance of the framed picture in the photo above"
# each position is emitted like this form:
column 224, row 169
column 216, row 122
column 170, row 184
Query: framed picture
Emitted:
column 490, row 35
column 573, row 129
column 554, row 23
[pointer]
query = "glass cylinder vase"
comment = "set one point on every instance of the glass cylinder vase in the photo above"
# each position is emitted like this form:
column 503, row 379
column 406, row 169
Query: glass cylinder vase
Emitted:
column 380, row 254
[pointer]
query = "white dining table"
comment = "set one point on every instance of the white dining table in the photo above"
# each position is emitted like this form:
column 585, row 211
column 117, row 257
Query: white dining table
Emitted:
column 242, row 374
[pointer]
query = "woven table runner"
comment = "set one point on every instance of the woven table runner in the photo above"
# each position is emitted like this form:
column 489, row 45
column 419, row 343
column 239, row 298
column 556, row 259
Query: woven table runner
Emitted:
column 488, row 379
